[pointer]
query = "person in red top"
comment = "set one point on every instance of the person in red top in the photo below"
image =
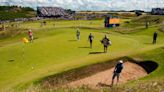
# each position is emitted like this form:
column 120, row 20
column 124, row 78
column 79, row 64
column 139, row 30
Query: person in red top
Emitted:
column 30, row 34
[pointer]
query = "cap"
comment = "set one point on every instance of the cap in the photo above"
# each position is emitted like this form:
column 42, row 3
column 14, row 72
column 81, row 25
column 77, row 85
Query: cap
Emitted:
column 120, row 61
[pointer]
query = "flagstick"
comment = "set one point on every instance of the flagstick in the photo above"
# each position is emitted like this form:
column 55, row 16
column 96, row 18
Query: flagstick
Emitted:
column 23, row 52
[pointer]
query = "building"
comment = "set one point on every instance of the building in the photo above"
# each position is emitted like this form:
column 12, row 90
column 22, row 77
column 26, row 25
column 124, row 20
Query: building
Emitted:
column 157, row 11
column 111, row 21
column 55, row 12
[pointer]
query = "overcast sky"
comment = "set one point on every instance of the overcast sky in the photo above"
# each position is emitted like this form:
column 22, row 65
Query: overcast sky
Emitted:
column 89, row 4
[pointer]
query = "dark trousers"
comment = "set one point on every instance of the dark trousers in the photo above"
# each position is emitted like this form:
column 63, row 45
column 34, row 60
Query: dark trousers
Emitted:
column 154, row 41
column 105, row 49
column 90, row 43
column 31, row 38
column 113, row 77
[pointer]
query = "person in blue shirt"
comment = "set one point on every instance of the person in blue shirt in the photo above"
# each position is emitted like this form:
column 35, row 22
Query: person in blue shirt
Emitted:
column 90, row 38
column 117, row 70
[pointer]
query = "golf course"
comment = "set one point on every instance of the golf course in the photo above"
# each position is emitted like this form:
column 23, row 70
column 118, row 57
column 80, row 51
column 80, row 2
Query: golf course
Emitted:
column 55, row 50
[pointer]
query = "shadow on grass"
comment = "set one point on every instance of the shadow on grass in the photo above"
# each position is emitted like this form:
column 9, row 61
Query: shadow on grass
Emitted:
column 148, row 43
column 72, row 40
column 83, row 47
column 11, row 60
column 35, row 38
column 96, row 52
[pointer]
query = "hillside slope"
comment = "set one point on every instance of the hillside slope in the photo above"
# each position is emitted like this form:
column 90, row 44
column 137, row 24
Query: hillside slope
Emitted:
column 12, row 12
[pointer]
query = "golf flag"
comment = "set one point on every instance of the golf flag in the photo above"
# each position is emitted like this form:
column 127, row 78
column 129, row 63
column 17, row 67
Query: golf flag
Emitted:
column 25, row 40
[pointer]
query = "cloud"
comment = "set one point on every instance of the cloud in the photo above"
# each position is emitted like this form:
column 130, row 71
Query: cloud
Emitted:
column 89, row 4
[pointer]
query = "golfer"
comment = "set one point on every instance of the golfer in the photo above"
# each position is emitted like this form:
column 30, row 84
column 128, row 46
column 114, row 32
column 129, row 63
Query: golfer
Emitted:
column 90, row 38
column 155, row 37
column 117, row 71
column 30, row 34
column 106, row 42
column 78, row 34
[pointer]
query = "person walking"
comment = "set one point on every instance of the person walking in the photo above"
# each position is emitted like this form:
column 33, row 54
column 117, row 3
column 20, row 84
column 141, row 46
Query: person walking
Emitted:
column 106, row 42
column 155, row 37
column 146, row 25
column 117, row 71
column 78, row 34
column 30, row 34
column 90, row 38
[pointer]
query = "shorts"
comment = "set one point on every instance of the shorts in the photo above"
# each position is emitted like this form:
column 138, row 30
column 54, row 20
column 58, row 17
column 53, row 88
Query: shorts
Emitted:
column 31, row 37
column 116, row 74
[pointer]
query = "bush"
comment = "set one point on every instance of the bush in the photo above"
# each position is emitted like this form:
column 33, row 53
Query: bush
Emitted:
column 12, row 12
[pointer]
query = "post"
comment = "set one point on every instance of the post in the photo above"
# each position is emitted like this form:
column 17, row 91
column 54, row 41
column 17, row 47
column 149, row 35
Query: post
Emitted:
column 23, row 53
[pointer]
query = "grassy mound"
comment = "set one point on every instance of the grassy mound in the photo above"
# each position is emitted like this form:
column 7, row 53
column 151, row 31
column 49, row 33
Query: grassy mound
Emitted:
column 150, row 18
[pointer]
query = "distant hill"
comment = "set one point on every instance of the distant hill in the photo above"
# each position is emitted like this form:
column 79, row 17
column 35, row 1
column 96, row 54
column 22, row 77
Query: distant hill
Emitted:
column 12, row 12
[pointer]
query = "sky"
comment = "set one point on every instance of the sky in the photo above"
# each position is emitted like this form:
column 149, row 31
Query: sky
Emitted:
column 90, row 4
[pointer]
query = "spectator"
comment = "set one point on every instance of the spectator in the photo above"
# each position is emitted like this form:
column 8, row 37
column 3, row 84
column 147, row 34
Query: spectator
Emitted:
column 155, row 37
column 30, row 34
column 78, row 34
column 90, row 38
column 106, row 42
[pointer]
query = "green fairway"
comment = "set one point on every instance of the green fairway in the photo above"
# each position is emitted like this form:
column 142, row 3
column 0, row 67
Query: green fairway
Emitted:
column 56, row 49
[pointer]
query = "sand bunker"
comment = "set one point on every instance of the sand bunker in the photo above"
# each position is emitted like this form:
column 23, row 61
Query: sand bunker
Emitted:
column 131, row 71
column 100, row 74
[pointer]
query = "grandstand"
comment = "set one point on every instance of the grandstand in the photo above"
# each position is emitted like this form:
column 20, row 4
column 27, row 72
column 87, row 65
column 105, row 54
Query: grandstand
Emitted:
column 157, row 11
column 55, row 12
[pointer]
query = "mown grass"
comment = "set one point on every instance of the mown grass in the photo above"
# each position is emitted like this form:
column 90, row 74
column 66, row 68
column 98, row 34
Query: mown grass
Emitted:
column 56, row 50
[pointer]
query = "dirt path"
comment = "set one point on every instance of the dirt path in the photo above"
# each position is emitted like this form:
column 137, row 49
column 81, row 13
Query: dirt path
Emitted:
column 131, row 71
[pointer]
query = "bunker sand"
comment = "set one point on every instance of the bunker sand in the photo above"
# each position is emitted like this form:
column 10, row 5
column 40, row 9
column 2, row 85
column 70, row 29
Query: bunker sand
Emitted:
column 131, row 71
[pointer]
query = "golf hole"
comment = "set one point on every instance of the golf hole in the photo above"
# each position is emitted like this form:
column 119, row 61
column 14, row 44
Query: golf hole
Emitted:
column 101, row 73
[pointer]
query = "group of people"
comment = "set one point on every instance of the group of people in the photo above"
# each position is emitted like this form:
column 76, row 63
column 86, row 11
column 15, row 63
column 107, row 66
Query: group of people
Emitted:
column 105, row 41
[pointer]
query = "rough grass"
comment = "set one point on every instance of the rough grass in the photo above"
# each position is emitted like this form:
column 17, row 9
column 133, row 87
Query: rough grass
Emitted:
column 155, row 19
column 140, row 86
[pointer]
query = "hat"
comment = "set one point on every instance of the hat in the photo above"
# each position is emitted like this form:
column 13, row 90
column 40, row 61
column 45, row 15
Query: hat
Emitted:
column 120, row 61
